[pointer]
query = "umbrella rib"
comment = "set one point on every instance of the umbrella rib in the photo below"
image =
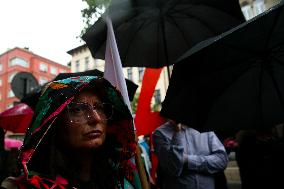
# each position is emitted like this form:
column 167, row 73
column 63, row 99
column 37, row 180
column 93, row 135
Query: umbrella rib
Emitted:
column 277, row 88
column 249, row 51
column 275, row 51
column 242, row 49
column 281, row 62
column 188, row 15
column 165, row 46
column 132, row 38
column 211, row 29
column 181, row 31
column 279, row 48
column 260, row 94
column 269, row 35
column 234, row 79
column 172, row 4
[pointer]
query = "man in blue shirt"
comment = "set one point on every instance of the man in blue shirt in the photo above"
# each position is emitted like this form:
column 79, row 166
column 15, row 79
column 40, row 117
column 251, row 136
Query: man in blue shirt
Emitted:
column 187, row 157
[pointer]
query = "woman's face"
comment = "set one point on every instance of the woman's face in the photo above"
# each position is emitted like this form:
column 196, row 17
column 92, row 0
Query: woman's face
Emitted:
column 84, row 127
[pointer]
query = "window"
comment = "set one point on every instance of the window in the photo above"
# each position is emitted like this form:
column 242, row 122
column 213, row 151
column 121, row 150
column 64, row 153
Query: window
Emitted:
column 10, row 94
column 11, row 76
column 140, row 73
column 77, row 66
column 157, row 96
column 43, row 67
column 0, row 82
column 1, row 67
column 42, row 80
column 18, row 62
column 53, row 70
column 87, row 60
column 0, row 96
column 259, row 7
column 129, row 74
column 247, row 11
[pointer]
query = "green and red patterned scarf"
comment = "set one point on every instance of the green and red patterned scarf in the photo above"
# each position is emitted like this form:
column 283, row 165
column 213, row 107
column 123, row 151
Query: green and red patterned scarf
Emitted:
column 53, row 100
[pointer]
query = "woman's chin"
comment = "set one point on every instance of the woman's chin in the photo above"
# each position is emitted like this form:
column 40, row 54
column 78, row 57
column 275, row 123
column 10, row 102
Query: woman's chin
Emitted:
column 93, row 144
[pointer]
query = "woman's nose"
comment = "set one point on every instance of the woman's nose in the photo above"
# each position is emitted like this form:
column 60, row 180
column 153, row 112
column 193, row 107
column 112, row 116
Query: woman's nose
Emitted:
column 94, row 117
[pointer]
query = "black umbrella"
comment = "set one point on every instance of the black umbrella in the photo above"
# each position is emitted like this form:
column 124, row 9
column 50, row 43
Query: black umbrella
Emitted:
column 233, row 81
column 32, row 98
column 154, row 33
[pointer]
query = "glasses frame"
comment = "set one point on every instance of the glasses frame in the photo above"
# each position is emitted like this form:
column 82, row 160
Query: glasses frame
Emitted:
column 91, row 112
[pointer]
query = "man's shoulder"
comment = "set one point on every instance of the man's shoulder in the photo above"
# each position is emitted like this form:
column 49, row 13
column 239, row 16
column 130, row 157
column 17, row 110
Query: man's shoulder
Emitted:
column 164, row 129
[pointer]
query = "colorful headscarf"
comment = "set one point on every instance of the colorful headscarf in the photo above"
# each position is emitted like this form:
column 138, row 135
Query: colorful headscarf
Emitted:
column 55, row 97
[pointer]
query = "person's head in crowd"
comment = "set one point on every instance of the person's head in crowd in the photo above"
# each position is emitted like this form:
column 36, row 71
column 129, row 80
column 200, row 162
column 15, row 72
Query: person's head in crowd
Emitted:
column 82, row 132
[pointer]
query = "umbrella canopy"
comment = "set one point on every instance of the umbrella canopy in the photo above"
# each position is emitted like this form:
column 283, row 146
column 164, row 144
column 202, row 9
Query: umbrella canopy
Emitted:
column 17, row 118
column 32, row 98
column 155, row 33
column 233, row 81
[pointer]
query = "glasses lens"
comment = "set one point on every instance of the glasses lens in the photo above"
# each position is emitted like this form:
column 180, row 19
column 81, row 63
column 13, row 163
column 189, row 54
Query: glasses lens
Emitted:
column 83, row 112
column 77, row 112
column 105, row 110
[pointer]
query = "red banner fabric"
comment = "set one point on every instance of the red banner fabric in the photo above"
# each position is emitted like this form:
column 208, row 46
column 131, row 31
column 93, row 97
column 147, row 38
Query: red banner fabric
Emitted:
column 147, row 121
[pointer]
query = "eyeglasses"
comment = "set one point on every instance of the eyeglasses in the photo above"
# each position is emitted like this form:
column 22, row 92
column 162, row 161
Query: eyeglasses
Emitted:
column 81, row 113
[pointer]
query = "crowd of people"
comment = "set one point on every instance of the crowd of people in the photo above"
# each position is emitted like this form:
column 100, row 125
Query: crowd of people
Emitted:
column 82, row 136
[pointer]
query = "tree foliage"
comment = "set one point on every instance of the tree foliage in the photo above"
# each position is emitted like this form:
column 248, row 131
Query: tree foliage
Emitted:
column 93, row 10
column 134, row 103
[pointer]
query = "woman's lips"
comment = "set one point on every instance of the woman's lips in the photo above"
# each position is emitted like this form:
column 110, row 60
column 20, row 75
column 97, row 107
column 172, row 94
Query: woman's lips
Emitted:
column 93, row 134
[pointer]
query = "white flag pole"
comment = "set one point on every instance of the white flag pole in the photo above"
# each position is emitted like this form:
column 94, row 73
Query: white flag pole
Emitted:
column 114, row 74
column 113, row 68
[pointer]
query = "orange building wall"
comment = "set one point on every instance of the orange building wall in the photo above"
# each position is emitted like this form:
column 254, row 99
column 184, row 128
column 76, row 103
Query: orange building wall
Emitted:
column 34, row 63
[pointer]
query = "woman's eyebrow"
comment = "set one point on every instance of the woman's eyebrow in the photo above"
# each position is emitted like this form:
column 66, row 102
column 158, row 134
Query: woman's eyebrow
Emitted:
column 85, row 102
column 77, row 101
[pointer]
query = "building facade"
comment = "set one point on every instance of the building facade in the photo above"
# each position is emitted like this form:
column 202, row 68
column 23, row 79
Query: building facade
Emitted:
column 252, row 8
column 82, row 60
column 22, row 60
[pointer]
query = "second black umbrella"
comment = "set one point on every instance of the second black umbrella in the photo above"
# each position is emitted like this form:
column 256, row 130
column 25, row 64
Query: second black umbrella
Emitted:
column 234, row 81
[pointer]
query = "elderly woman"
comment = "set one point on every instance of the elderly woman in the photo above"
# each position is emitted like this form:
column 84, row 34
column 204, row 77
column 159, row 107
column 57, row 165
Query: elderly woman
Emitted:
column 81, row 137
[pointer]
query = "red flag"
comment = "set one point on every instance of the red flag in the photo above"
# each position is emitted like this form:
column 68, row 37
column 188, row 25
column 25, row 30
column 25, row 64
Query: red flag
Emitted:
column 147, row 126
column 147, row 121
